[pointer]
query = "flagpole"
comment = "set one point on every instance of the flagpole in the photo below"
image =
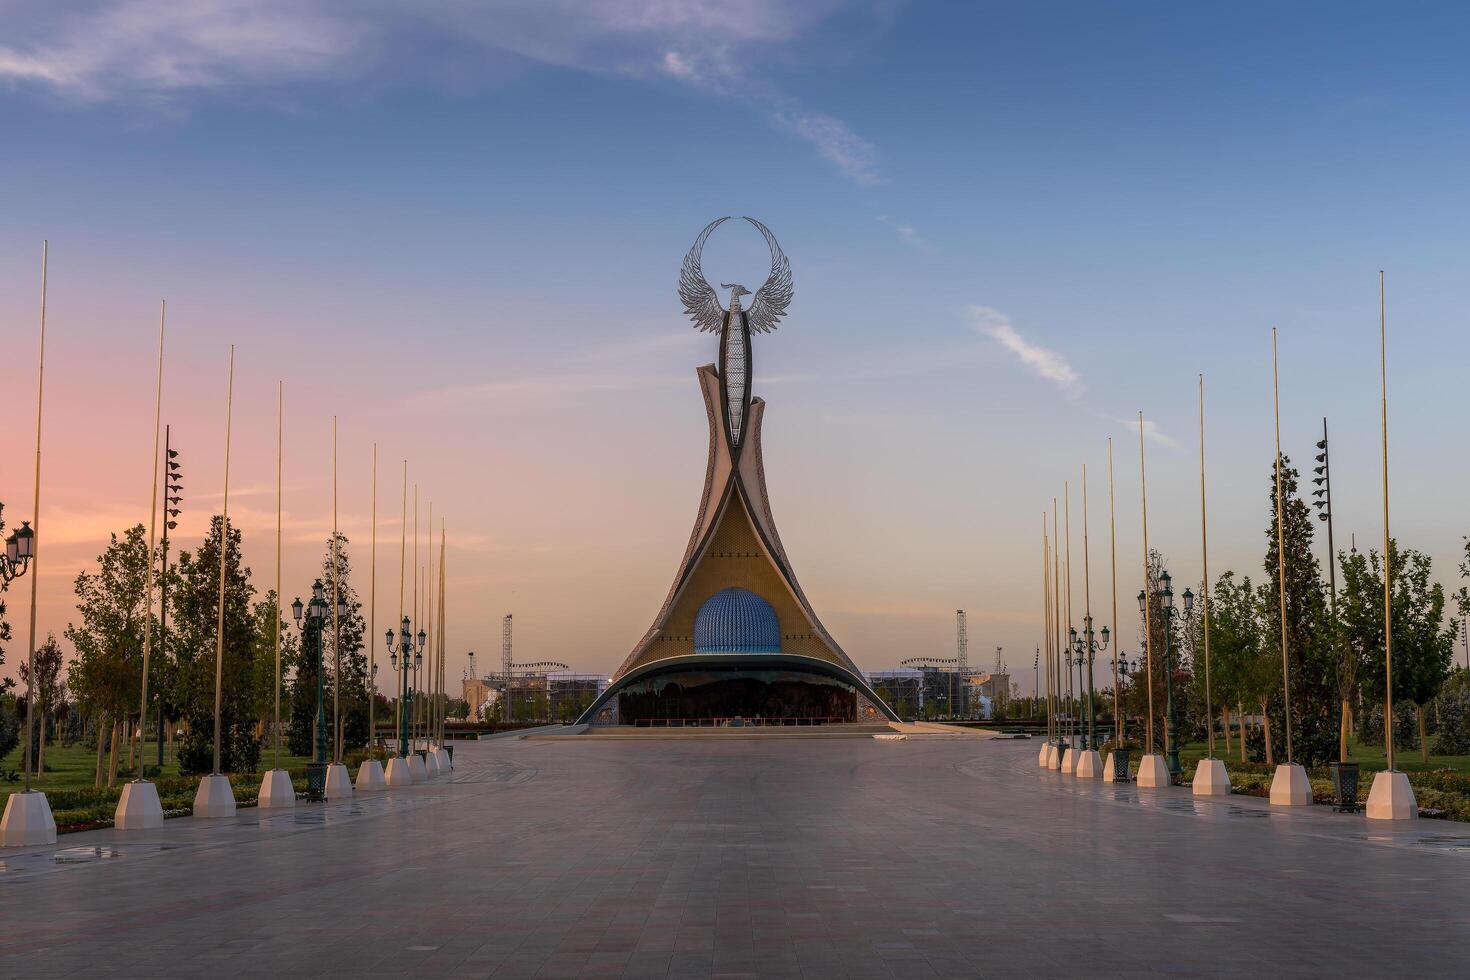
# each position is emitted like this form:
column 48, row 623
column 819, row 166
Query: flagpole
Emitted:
column 1204, row 547
column 224, row 550
column 152, row 527
column 1281, row 554
column 1066, row 636
column 1148, row 631
column 1118, row 732
column 1387, row 566
column 280, row 433
column 402, row 549
column 36, row 522
column 1056, row 612
column 1090, row 737
column 336, row 620
column 372, row 641
column 1046, row 620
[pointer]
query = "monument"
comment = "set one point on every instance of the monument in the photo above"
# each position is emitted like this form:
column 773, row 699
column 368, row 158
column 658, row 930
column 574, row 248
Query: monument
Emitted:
column 736, row 642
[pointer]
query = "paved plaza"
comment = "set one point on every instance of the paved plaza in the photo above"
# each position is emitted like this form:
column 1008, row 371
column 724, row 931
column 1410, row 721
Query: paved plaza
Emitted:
column 771, row 857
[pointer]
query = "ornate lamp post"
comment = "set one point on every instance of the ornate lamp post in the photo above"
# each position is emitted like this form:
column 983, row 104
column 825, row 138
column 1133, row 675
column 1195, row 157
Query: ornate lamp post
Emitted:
column 403, row 658
column 311, row 627
column 1166, row 608
column 19, row 547
column 1085, row 649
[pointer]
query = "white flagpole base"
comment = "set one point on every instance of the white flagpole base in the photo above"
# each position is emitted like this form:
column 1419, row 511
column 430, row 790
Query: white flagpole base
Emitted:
column 1042, row 755
column 441, row 756
column 1054, row 760
column 370, row 776
column 1069, row 761
column 276, row 791
column 138, row 808
column 417, row 768
column 1392, row 798
column 1089, row 765
column 27, row 821
column 215, row 798
column 1290, row 787
column 1210, row 779
column 1152, row 773
column 339, row 784
column 431, row 763
column 398, row 773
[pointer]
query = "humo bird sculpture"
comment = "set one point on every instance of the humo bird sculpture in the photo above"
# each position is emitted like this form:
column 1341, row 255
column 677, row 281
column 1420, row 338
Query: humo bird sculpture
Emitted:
column 735, row 324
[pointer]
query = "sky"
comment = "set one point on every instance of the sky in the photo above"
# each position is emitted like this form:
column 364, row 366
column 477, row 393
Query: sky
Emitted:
column 457, row 227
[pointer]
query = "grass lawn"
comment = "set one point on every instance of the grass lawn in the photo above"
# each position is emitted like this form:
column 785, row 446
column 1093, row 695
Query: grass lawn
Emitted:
column 1370, row 758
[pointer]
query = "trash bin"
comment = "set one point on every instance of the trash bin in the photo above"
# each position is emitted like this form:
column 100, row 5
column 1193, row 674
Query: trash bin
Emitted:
column 1344, row 786
column 1119, row 760
column 449, row 747
column 316, row 781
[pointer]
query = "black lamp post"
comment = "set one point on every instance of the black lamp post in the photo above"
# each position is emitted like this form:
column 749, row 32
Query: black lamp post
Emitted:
column 1086, row 647
column 402, row 658
column 173, row 485
column 311, row 626
column 19, row 547
column 1166, row 610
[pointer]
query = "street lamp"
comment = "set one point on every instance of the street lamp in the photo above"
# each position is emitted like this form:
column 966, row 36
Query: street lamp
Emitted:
column 311, row 625
column 1166, row 609
column 19, row 547
column 403, row 658
column 1086, row 648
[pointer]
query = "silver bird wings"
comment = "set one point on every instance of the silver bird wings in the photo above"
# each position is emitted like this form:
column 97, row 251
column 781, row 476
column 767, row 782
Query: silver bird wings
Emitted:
column 698, row 296
column 771, row 300
column 702, row 304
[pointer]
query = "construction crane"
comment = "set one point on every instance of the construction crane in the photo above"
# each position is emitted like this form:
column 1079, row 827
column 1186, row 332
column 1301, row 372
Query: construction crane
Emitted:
column 508, row 666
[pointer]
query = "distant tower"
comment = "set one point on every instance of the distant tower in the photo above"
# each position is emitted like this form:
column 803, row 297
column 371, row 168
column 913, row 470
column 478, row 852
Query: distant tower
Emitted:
column 505, row 661
column 962, row 658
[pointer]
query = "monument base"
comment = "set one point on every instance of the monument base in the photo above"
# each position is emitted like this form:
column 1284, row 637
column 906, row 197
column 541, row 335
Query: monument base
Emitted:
column 215, row 798
column 370, row 776
column 138, row 808
column 1152, row 773
column 399, row 773
column 1210, row 779
column 417, row 768
column 276, row 791
column 27, row 821
column 1089, row 765
column 1290, row 787
column 1391, row 798
column 339, row 784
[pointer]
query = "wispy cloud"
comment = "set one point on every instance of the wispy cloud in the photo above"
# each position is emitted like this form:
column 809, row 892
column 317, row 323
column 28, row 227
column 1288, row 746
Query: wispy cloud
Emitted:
column 1040, row 361
column 909, row 235
column 162, row 53
column 1151, row 431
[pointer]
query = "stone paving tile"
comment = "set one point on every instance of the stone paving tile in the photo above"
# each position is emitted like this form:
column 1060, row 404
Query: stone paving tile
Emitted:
column 836, row 858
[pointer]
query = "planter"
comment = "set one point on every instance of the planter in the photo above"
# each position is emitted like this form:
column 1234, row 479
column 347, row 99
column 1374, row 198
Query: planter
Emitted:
column 1344, row 787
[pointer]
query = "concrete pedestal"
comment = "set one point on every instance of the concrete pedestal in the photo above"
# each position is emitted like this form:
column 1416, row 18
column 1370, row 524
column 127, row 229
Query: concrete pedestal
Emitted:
column 1041, row 756
column 431, row 763
column 1152, row 773
column 417, row 768
column 339, row 784
column 1110, row 772
column 1392, row 798
column 1089, row 765
column 138, row 808
column 370, row 775
column 441, row 755
column 276, row 791
column 1289, row 787
column 1069, row 761
column 27, row 821
column 1210, row 779
column 215, row 798
column 1054, row 761
column 399, row 772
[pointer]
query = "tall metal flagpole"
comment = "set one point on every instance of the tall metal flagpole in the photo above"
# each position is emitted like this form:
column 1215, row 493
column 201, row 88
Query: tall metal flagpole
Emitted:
column 1281, row 554
column 224, row 550
column 441, row 702
column 402, row 549
column 372, row 640
column 1204, row 549
column 280, row 432
column 152, row 526
column 1118, row 732
column 1090, row 738
column 336, row 620
column 36, row 524
column 1046, row 619
column 431, row 629
column 1056, row 608
column 1148, row 631
column 413, row 715
column 1066, row 652
column 1387, row 569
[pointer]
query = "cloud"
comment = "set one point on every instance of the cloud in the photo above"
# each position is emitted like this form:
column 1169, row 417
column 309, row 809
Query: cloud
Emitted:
column 1040, row 361
column 163, row 53
column 909, row 235
column 1151, row 431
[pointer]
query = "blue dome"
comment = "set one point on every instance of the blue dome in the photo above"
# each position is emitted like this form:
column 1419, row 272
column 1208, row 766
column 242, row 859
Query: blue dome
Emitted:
column 736, row 621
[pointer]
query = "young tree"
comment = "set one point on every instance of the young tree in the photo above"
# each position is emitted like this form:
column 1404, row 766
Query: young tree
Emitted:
column 268, row 621
column 194, row 604
column 45, row 689
column 107, row 668
column 1312, row 662
column 1236, row 648
column 353, row 630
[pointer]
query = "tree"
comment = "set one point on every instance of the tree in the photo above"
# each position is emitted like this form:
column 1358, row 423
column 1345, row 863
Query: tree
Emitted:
column 267, row 622
column 44, row 690
column 1312, row 664
column 1423, row 644
column 194, row 600
column 1236, row 649
column 1135, row 700
column 107, row 668
column 354, row 697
